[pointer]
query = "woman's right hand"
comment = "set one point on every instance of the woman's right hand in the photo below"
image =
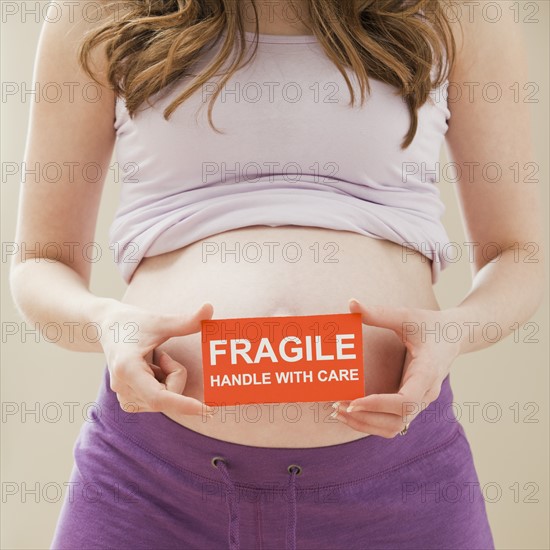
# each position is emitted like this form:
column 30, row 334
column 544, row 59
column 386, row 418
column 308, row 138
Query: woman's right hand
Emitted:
column 129, row 335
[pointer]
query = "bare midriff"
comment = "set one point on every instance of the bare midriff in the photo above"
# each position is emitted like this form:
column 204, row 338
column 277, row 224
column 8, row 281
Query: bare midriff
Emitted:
column 263, row 271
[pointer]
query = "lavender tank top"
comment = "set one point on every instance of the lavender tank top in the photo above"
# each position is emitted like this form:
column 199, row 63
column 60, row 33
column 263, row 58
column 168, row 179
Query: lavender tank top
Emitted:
column 293, row 153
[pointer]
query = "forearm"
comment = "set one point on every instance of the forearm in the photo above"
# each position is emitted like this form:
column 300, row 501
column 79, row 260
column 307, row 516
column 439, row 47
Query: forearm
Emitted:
column 504, row 295
column 53, row 299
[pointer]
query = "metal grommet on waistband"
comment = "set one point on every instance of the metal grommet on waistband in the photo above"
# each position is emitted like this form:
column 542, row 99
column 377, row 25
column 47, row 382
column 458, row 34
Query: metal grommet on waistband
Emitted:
column 295, row 466
column 215, row 460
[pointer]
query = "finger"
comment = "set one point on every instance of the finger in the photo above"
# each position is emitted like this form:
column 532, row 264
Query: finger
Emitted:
column 181, row 325
column 387, row 426
column 126, row 397
column 175, row 373
column 131, row 402
column 159, row 374
column 418, row 379
column 342, row 404
column 387, row 403
column 118, row 384
column 159, row 399
column 125, row 394
column 381, row 316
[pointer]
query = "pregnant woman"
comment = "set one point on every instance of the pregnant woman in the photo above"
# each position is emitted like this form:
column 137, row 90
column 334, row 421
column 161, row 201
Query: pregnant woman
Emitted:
column 253, row 186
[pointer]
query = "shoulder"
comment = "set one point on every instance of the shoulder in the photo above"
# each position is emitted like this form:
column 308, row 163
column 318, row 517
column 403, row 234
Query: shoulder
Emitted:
column 66, row 27
column 488, row 35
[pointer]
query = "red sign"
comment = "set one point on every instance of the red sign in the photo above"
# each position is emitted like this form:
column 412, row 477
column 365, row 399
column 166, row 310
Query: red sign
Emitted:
column 282, row 359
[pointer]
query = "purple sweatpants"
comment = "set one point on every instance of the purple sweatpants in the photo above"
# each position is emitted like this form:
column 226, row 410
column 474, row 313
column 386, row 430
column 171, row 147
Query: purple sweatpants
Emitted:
column 142, row 481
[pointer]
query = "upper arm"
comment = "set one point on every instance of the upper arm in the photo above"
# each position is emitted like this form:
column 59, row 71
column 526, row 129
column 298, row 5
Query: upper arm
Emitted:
column 489, row 136
column 68, row 148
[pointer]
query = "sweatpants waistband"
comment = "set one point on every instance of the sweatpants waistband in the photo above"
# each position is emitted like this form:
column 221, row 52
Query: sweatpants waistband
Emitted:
column 253, row 466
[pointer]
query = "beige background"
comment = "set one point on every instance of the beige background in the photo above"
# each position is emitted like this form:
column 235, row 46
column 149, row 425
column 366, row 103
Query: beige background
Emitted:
column 511, row 454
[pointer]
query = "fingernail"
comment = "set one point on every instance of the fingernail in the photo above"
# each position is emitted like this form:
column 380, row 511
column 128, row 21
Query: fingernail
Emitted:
column 350, row 409
column 335, row 414
column 335, row 405
column 340, row 417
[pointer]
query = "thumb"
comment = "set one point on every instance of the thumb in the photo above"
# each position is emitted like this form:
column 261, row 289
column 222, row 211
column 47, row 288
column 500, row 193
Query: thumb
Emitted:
column 181, row 325
column 175, row 373
column 380, row 316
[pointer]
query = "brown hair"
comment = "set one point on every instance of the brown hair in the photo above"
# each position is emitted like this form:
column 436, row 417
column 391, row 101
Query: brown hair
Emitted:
column 152, row 43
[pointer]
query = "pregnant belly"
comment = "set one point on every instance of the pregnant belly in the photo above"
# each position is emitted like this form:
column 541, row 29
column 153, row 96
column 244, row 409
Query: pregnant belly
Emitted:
column 261, row 271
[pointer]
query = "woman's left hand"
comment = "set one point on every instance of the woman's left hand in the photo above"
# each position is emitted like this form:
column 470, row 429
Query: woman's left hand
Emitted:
column 428, row 360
